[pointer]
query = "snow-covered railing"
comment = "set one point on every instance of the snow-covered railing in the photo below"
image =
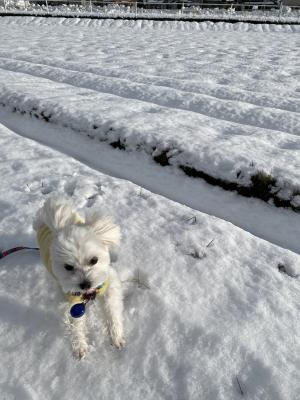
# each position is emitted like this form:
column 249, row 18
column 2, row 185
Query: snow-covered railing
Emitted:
column 250, row 10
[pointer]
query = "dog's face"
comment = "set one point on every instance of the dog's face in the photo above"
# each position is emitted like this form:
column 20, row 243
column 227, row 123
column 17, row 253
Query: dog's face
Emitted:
column 80, row 255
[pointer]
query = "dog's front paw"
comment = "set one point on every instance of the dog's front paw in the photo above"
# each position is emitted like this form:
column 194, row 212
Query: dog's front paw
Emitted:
column 119, row 342
column 80, row 352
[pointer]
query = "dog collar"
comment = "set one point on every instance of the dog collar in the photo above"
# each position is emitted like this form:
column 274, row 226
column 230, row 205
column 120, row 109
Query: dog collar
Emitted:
column 79, row 301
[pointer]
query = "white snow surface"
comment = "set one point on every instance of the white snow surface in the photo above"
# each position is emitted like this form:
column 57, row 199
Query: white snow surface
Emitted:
column 221, row 98
column 213, row 318
column 280, row 226
column 218, row 317
column 197, row 12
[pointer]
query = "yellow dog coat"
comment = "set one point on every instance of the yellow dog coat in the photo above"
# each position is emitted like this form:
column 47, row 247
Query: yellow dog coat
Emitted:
column 44, row 238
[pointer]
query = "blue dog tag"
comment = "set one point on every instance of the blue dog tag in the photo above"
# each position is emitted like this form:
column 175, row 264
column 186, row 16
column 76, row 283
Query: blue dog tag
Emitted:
column 78, row 310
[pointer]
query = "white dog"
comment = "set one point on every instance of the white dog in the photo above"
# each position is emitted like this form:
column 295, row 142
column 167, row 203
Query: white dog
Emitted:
column 76, row 253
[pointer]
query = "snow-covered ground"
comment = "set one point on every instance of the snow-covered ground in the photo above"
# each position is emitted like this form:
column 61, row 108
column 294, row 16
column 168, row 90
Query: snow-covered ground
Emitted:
column 276, row 225
column 199, row 95
column 216, row 313
column 217, row 320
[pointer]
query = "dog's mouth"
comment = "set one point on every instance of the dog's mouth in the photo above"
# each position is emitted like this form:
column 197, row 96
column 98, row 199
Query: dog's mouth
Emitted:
column 89, row 294
column 90, row 291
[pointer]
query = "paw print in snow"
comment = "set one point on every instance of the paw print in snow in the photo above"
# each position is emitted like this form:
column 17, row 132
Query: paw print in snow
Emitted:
column 83, row 191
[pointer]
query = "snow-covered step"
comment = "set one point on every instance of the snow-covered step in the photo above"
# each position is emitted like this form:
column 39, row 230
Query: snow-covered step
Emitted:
column 262, row 93
column 222, row 109
column 223, row 150
column 276, row 225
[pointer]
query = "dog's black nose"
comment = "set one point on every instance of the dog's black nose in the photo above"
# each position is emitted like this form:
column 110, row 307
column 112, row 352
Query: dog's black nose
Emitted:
column 85, row 284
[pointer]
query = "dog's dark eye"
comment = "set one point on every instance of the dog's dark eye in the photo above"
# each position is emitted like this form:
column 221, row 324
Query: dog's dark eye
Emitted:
column 93, row 261
column 69, row 267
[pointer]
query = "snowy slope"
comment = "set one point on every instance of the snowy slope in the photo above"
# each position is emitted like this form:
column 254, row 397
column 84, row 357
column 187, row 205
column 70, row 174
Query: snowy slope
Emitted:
column 221, row 103
column 218, row 315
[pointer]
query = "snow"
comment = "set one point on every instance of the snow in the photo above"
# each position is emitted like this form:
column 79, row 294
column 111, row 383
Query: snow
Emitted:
column 197, row 12
column 277, row 225
column 215, row 315
column 218, row 311
column 221, row 103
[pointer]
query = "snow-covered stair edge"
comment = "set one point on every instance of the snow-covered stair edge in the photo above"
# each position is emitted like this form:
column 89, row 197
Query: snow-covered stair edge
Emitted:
column 152, row 16
column 177, row 24
column 252, row 181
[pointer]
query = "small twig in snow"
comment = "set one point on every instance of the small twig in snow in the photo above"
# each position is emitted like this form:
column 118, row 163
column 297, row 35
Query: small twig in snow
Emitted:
column 138, row 281
column 142, row 194
column 283, row 270
column 92, row 196
column 197, row 255
column 194, row 254
column 210, row 243
column 192, row 219
column 241, row 390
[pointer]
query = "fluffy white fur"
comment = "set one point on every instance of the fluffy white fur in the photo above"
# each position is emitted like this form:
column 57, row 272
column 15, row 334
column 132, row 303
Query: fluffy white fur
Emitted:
column 76, row 245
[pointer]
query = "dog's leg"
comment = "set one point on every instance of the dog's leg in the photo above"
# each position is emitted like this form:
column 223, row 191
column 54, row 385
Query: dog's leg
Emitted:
column 113, row 301
column 76, row 328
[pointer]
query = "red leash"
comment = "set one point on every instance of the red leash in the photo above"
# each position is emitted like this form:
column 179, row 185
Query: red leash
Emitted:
column 5, row 253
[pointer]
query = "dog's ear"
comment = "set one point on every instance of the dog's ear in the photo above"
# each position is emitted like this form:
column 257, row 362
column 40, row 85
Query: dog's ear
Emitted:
column 104, row 228
column 57, row 212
